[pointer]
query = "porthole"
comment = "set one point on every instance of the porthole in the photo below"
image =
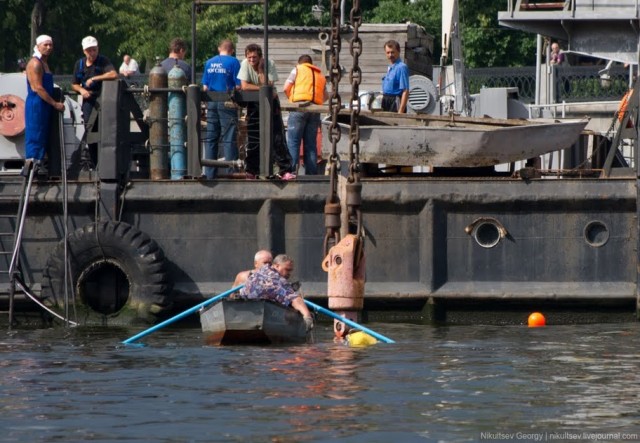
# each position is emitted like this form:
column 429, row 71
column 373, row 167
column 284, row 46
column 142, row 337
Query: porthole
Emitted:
column 486, row 231
column 596, row 233
column 486, row 234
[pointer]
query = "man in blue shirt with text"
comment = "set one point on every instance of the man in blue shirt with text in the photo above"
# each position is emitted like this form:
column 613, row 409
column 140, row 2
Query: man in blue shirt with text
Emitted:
column 221, row 75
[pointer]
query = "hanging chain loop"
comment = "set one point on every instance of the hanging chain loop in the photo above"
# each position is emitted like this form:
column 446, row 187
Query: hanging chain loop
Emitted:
column 354, row 187
column 332, row 205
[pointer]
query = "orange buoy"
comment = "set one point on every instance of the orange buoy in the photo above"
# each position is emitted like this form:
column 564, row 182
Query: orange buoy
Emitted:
column 536, row 319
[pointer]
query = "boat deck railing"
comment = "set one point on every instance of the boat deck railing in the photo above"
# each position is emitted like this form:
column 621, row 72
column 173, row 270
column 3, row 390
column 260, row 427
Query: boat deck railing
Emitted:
column 576, row 8
column 566, row 109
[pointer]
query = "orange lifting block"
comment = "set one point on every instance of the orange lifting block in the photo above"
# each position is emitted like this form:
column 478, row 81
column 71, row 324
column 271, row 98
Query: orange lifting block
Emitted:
column 345, row 286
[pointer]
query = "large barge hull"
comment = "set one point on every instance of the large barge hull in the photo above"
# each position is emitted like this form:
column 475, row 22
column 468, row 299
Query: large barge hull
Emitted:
column 427, row 239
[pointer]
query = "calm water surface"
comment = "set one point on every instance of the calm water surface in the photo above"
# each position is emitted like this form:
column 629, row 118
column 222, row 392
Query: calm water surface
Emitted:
column 455, row 383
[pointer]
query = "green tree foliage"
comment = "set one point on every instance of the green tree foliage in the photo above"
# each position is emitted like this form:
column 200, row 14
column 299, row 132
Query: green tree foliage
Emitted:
column 484, row 42
column 425, row 13
column 14, row 33
column 143, row 28
column 67, row 38
column 15, row 29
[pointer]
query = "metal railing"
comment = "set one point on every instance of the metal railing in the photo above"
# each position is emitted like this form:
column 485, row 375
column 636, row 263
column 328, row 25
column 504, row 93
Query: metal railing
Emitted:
column 523, row 78
column 572, row 83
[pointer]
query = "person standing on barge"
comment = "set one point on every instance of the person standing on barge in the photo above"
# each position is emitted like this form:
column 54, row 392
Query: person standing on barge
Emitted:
column 254, row 71
column 129, row 66
column 88, row 74
column 395, row 85
column 305, row 85
column 177, row 54
column 221, row 75
column 39, row 100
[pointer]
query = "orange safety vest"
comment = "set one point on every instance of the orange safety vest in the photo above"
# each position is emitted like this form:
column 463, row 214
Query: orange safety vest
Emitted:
column 624, row 103
column 309, row 84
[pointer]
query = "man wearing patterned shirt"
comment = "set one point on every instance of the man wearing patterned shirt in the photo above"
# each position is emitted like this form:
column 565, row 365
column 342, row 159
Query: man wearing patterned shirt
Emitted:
column 270, row 282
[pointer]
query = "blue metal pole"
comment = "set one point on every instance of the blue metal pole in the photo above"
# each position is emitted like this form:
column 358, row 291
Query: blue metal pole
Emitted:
column 351, row 323
column 177, row 126
column 182, row 315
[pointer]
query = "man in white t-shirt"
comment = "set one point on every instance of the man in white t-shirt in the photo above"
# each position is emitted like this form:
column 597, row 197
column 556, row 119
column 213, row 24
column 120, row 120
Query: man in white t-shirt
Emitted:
column 252, row 75
column 129, row 66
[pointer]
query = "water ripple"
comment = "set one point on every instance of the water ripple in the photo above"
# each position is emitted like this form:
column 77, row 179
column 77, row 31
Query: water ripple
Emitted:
column 448, row 384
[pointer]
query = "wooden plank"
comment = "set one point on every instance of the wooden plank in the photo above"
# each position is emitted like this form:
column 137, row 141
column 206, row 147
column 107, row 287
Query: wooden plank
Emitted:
column 532, row 6
column 324, row 109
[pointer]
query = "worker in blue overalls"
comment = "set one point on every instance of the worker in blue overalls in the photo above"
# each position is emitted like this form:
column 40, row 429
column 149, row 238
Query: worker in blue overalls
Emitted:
column 39, row 101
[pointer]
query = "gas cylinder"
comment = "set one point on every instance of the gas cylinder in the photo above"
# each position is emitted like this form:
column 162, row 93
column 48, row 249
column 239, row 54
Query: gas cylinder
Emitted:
column 177, row 125
column 159, row 158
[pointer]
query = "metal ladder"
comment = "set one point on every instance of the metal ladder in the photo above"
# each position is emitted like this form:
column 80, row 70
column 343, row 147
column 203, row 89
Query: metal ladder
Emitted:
column 17, row 222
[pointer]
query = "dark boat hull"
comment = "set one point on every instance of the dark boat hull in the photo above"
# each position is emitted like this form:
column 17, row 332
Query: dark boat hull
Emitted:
column 435, row 244
column 233, row 322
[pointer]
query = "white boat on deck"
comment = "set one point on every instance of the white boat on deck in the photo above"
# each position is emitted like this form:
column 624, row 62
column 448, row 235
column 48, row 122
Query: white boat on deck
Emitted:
column 444, row 141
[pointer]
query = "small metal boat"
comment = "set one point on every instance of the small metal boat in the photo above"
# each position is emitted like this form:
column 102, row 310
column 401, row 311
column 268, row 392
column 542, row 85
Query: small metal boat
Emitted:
column 232, row 322
column 432, row 140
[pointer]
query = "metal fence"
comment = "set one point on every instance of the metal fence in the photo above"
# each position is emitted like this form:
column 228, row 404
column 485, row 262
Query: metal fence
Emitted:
column 572, row 83
column 589, row 83
column 523, row 78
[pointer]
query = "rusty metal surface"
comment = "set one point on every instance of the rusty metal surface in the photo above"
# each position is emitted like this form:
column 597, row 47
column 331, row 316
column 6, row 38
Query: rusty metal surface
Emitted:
column 11, row 115
column 425, row 141
column 345, row 283
column 416, row 243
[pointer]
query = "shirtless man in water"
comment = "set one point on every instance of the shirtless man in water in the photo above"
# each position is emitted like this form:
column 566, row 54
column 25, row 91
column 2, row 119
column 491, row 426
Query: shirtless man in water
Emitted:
column 262, row 257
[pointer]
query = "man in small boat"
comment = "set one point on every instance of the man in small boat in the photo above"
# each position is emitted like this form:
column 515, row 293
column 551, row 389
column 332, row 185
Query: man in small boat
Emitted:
column 271, row 282
column 395, row 85
column 262, row 257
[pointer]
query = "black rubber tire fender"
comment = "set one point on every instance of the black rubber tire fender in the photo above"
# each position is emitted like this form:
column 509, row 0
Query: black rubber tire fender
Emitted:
column 118, row 274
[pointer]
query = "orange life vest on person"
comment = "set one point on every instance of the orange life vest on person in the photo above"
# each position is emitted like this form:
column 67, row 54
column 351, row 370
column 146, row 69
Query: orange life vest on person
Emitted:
column 309, row 84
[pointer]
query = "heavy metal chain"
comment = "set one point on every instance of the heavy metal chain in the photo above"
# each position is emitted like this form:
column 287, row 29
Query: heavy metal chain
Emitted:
column 354, row 187
column 332, row 204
